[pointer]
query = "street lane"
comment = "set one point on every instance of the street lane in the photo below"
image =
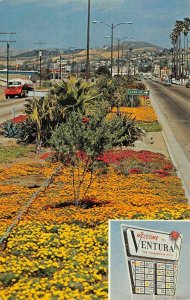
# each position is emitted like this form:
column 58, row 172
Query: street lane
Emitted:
column 174, row 103
column 173, row 109
column 10, row 108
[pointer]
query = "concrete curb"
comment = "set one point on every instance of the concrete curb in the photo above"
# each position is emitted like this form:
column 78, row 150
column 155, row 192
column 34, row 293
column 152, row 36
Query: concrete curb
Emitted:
column 177, row 155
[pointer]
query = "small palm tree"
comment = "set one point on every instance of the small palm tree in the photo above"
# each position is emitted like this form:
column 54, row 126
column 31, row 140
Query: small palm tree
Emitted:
column 74, row 94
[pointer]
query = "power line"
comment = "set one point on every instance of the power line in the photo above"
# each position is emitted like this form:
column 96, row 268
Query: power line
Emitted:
column 7, row 41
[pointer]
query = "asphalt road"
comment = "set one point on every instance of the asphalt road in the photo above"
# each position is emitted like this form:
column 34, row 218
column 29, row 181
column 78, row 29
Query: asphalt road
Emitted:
column 10, row 108
column 172, row 103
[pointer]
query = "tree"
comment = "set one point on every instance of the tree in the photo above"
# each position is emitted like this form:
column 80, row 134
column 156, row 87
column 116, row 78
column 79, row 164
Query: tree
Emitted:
column 82, row 139
column 103, row 70
column 45, row 113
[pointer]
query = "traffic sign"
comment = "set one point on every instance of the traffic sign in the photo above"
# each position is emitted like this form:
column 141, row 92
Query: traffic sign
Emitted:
column 132, row 92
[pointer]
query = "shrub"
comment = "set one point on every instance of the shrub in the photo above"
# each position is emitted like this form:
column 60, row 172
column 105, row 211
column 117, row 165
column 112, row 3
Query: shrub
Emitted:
column 9, row 129
column 81, row 140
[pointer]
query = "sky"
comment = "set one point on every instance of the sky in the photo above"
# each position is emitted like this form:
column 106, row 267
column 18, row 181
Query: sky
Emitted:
column 63, row 23
column 119, row 283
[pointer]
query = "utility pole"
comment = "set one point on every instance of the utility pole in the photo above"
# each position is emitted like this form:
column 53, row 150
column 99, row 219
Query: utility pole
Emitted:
column 40, row 58
column 60, row 66
column 88, row 45
column 7, row 41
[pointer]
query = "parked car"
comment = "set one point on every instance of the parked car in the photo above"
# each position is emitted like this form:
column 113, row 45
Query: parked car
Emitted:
column 175, row 81
column 187, row 84
column 167, row 82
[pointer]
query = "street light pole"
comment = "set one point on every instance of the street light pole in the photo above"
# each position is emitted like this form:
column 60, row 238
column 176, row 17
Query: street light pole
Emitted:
column 60, row 66
column 40, row 58
column 88, row 45
column 118, row 54
column 112, row 27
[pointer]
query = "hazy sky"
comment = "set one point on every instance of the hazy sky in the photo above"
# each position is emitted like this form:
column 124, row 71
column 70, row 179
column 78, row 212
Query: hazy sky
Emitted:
column 119, row 285
column 62, row 23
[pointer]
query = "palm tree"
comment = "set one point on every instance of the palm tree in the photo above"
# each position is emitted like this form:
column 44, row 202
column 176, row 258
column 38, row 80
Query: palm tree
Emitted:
column 179, row 29
column 174, row 37
column 186, row 31
column 74, row 94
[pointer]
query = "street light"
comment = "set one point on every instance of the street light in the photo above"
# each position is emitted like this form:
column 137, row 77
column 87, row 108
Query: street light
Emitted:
column 129, row 56
column 131, row 37
column 118, row 50
column 40, row 57
column 112, row 27
column 60, row 62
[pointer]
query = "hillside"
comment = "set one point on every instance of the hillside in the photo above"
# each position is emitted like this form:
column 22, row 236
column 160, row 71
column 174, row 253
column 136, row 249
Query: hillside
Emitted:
column 21, row 53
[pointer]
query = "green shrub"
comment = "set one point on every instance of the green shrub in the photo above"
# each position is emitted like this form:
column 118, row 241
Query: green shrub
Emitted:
column 81, row 140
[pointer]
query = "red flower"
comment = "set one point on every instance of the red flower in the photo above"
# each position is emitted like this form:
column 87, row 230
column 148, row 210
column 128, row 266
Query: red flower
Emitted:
column 135, row 171
column 19, row 119
column 47, row 155
column 85, row 120
column 174, row 235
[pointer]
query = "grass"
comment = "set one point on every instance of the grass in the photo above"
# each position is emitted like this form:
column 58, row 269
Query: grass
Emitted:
column 10, row 153
column 151, row 126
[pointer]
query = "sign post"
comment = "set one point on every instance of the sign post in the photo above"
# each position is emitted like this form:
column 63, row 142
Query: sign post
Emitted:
column 152, row 260
column 135, row 92
column 138, row 92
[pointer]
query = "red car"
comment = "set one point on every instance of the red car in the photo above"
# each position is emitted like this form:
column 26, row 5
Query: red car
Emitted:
column 18, row 87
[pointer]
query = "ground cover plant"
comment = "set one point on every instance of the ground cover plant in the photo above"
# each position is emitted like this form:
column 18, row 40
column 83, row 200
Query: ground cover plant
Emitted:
column 59, row 250
column 9, row 153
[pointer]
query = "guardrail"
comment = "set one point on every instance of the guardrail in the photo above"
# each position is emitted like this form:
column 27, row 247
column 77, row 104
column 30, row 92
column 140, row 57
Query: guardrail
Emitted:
column 37, row 93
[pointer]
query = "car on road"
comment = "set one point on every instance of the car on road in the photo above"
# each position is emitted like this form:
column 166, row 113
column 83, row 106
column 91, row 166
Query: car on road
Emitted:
column 187, row 84
column 18, row 88
column 175, row 81
column 167, row 83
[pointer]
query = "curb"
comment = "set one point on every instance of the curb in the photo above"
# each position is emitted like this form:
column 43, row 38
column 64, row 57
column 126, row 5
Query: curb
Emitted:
column 176, row 153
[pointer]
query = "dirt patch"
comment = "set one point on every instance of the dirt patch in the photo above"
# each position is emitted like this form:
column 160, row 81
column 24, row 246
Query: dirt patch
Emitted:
column 31, row 182
column 154, row 142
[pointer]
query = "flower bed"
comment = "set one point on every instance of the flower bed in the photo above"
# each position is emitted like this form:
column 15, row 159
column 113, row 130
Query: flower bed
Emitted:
column 143, row 113
column 58, row 250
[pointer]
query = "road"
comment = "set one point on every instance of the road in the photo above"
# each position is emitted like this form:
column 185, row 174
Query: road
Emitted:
column 10, row 108
column 173, row 106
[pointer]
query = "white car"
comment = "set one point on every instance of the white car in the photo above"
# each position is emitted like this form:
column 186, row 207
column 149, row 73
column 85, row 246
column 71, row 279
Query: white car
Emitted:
column 175, row 81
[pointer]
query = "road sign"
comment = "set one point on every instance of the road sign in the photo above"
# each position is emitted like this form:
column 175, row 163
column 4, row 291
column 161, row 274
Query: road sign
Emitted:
column 132, row 92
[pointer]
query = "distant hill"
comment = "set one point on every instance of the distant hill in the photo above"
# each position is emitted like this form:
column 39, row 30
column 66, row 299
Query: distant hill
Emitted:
column 18, row 53
column 142, row 45
column 30, row 53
